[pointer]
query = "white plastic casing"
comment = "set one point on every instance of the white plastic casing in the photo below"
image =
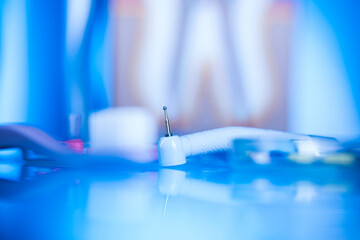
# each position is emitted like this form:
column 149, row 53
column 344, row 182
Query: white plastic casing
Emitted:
column 174, row 150
column 171, row 152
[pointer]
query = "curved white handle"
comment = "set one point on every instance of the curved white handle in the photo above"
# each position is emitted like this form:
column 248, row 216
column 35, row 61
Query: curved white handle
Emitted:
column 174, row 150
column 221, row 139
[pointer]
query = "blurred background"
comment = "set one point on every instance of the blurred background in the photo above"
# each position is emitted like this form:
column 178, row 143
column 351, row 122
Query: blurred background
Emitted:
column 282, row 64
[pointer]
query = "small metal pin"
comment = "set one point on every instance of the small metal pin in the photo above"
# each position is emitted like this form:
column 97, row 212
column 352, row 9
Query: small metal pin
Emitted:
column 167, row 124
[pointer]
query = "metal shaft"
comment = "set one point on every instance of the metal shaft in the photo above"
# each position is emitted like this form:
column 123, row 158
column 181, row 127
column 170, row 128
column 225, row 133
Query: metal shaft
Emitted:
column 167, row 123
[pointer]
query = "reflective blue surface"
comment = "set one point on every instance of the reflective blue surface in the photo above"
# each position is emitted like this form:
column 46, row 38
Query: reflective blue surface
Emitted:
column 204, row 199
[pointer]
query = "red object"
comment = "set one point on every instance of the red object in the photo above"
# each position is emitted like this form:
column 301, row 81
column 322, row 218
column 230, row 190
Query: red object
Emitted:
column 76, row 145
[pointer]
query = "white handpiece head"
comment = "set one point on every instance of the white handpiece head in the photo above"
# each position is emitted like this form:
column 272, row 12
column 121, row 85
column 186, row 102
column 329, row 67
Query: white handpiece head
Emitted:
column 170, row 149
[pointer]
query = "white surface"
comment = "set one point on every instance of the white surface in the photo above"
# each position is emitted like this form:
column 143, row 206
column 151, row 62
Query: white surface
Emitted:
column 118, row 129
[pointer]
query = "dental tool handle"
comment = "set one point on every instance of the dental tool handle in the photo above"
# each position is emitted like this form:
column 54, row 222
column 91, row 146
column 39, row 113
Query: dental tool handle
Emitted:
column 30, row 138
column 221, row 139
column 174, row 150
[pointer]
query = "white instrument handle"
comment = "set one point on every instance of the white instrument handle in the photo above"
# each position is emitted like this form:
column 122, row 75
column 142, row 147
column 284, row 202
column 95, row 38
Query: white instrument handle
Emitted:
column 173, row 150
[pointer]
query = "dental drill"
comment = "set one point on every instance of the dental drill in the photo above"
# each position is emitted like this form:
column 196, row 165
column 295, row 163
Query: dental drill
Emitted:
column 173, row 150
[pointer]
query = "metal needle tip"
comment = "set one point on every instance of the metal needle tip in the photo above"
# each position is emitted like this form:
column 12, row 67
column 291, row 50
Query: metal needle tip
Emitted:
column 167, row 124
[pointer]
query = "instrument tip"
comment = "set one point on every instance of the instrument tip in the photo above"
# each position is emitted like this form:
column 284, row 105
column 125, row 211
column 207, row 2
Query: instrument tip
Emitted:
column 167, row 124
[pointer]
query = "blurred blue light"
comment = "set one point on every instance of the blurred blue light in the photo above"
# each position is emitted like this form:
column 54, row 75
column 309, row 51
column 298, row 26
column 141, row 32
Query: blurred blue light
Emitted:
column 322, row 99
column 13, row 63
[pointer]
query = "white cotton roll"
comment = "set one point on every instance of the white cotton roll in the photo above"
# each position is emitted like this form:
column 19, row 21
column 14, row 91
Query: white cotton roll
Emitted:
column 124, row 128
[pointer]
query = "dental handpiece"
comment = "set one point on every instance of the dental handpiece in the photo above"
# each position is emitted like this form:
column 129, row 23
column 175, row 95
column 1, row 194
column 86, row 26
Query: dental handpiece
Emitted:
column 173, row 150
